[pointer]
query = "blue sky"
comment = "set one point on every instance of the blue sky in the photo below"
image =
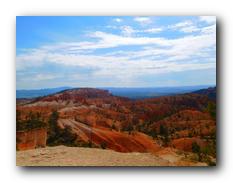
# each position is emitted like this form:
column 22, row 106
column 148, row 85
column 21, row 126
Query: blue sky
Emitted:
column 115, row 51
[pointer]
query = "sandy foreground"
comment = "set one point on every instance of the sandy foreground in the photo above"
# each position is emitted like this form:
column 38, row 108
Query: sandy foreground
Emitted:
column 78, row 156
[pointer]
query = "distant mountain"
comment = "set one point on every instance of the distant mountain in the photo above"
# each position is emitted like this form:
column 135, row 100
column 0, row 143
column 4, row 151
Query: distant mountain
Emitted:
column 210, row 92
column 132, row 93
column 39, row 92
column 140, row 93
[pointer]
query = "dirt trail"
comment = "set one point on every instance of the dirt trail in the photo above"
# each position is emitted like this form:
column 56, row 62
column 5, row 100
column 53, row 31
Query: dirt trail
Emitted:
column 77, row 156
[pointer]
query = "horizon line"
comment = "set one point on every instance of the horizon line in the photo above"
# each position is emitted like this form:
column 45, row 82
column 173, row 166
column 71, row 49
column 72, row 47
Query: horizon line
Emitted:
column 100, row 87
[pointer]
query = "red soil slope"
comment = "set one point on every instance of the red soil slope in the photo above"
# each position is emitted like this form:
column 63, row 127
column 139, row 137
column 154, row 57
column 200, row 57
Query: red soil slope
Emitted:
column 185, row 144
column 104, row 120
column 118, row 141
column 31, row 139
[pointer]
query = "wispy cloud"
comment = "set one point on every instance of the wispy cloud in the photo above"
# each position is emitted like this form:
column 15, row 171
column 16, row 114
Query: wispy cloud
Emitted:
column 181, row 24
column 185, row 26
column 118, row 20
column 40, row 77
column 153, row 30
column 143, row 20
column 209, row 29
column 127, row 30
column 166, row 50
column 189, row 29
column 128, row 53
column 208, row 19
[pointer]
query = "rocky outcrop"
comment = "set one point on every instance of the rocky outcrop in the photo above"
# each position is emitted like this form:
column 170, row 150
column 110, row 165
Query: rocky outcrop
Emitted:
column 185, row 144
column 31, row 139
column 100, row 119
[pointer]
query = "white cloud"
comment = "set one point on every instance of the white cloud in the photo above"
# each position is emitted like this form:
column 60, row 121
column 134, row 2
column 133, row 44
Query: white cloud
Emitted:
column 189, row 29
column 208, row 19
column 32, row 58
column 180, row 24
column 209, row 29
column 153, row 30
column 107, row 40
column 132, row 30
column 135, row 63
column 178, row 49
column 118, row 20
column 185, row 27
column 119, row 66
column 127, row 30
column 143, row 20
column 40, row 77
column 157, row 54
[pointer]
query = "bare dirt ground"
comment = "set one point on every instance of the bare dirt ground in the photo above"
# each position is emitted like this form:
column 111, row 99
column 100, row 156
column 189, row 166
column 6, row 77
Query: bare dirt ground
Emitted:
column 78, row 156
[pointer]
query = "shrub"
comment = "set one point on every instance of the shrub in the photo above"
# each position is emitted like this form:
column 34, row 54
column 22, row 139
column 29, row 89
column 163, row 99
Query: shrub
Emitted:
column 30, row 125
column 60, row 136
column 113, row 127
column 195, row 147
column 211, row 109
column 103, row 145
column 153, row 133
column 163, row 130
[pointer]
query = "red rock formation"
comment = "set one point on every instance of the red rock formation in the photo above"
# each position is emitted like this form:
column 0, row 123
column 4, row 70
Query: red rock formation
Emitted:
column 119, row 123
column 185, row 144
column 31, row 139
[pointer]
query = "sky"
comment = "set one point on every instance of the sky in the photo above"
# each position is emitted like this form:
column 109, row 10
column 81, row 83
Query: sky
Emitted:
column 115, row 51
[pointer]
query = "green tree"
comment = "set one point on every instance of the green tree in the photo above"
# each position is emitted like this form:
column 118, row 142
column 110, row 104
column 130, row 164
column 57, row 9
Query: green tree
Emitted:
column 195, row 147
column 166, row 140
column 67, row 137
column 163, row 130
column 103, row 145
column 33, row 121
column 211, row 109
column 153, row 133
column 129, row 128
column 18, row 115
column 52, row 127
column 58, row 135
column 113, row 127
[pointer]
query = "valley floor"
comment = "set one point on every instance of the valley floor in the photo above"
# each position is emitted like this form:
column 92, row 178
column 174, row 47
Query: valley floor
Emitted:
column 78, row 156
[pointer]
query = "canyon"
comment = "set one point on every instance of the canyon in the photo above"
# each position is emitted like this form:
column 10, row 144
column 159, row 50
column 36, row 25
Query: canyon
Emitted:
column 98, row 119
